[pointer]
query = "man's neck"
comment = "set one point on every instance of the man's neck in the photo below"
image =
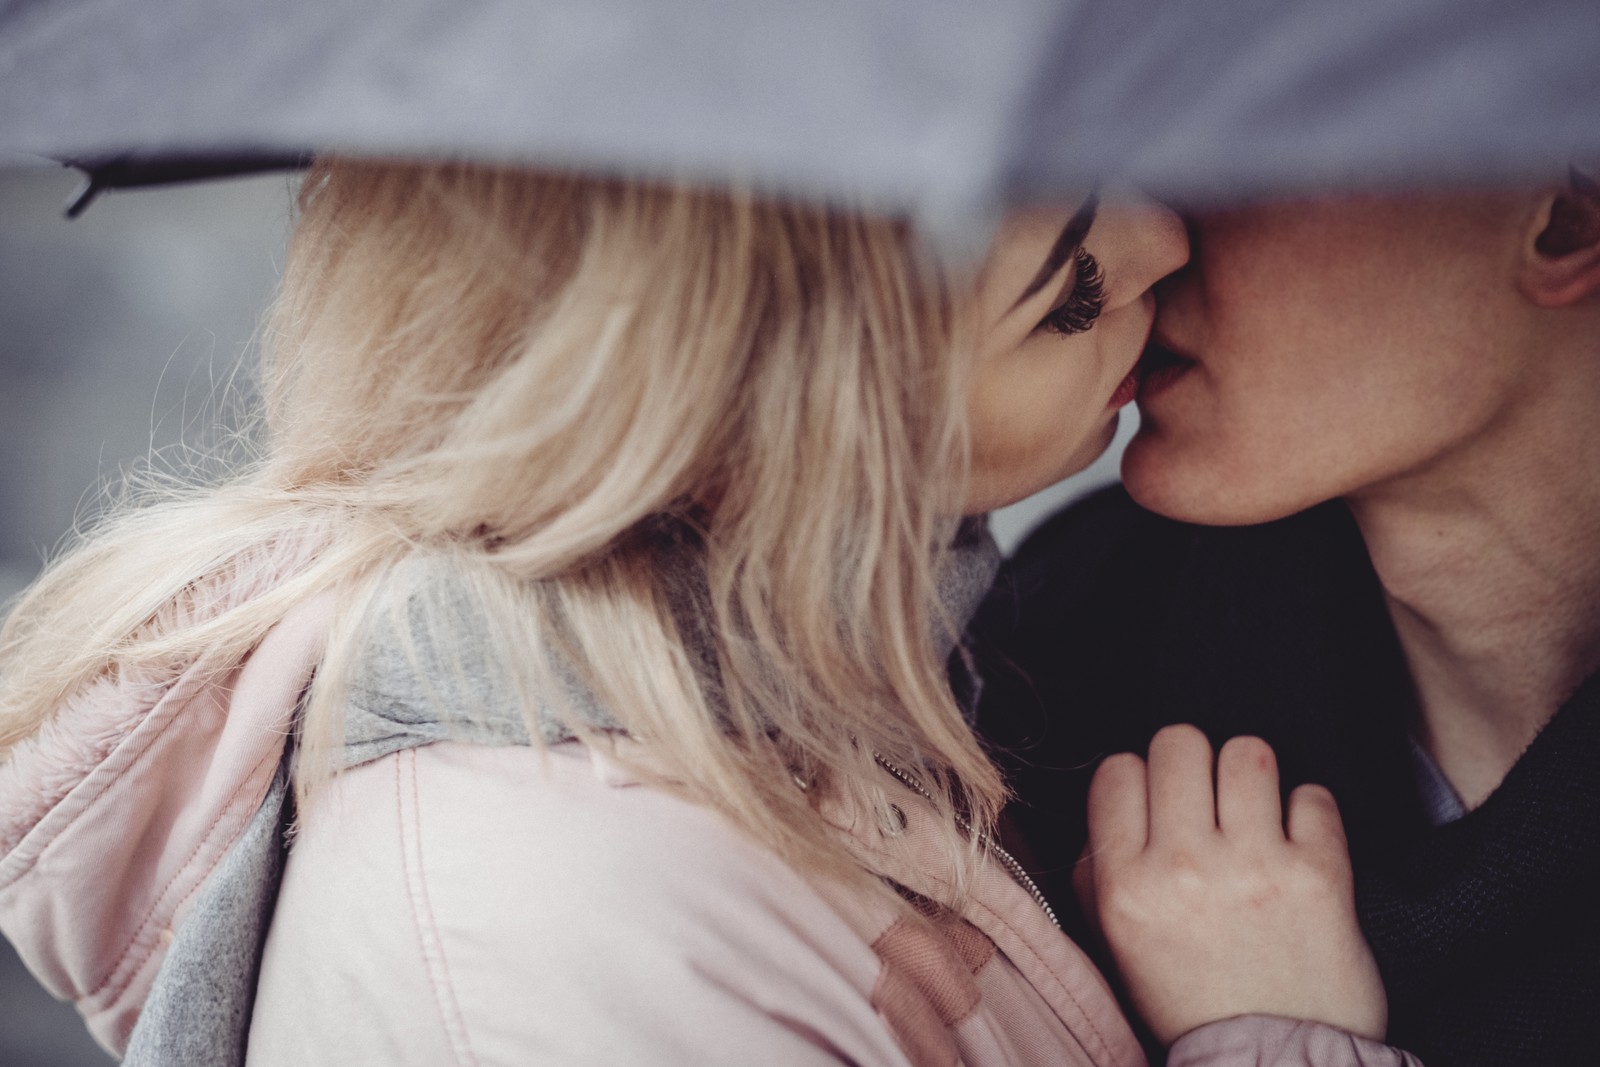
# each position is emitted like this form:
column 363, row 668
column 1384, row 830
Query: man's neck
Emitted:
column 1491, row 569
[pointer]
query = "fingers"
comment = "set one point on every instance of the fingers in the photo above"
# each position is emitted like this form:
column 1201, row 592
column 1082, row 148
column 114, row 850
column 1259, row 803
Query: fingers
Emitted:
column 1247, row 791
column 1176, row 799
column 1119, row 817
column 1314, row 819
column 1182, row 800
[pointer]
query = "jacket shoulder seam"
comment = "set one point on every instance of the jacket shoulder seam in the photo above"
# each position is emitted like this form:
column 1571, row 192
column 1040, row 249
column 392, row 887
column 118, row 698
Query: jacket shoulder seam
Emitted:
column 434, row 962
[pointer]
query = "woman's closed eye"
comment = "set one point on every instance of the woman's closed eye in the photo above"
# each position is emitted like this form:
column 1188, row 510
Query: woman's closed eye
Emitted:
column 1085, row 300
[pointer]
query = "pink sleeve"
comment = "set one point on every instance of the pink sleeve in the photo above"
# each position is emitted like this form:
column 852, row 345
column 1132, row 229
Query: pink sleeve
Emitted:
column 1271, row 1041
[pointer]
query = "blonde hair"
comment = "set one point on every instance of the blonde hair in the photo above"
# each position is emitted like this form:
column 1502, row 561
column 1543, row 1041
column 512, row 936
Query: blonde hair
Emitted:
column 529, row 377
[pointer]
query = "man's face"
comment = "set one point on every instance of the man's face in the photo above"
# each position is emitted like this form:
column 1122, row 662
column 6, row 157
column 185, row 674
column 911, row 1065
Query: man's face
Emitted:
column 1337, row 344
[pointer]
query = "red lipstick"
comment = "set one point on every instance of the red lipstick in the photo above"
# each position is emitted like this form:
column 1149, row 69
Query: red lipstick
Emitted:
column 1126, row 391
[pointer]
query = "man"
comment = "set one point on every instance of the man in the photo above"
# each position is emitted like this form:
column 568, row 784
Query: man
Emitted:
column 1361, row 519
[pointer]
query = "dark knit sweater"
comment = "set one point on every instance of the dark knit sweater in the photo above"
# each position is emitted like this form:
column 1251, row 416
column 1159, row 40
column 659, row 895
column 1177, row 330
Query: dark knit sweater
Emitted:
column 1112, row 622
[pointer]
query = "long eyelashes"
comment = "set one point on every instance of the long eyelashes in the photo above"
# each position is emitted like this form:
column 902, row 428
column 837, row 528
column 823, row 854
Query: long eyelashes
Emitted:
column 1084, row 304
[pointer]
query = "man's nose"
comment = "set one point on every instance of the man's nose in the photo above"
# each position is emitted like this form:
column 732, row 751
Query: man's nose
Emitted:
column 1153, row 237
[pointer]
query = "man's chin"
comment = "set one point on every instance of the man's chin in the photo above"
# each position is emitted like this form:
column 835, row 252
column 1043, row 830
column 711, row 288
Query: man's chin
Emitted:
column 1197, row 485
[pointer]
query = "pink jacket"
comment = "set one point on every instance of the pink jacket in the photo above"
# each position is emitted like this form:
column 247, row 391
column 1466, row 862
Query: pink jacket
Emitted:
column 476, row 905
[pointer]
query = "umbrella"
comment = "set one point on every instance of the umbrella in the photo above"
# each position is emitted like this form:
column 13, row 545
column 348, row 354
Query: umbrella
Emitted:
column 946, row 108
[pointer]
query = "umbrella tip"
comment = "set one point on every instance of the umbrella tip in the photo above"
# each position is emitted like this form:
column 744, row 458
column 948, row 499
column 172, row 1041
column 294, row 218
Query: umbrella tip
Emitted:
column 84, row 195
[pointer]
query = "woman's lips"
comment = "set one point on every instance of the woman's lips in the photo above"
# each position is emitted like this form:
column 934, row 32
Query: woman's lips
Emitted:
column 1158, row 369
column 1127, row 390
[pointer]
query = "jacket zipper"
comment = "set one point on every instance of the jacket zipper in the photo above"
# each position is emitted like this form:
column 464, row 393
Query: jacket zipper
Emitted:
column 990, row 845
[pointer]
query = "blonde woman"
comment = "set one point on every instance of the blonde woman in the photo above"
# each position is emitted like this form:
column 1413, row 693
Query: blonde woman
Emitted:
column 586, row 612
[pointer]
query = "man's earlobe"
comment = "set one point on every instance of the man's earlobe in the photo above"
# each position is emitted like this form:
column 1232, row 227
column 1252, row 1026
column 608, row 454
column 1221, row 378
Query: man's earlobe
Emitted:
column 1564, row 265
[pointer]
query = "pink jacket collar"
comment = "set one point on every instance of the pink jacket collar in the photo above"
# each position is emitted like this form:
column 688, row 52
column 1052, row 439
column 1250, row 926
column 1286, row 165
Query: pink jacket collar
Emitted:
column 114, row 814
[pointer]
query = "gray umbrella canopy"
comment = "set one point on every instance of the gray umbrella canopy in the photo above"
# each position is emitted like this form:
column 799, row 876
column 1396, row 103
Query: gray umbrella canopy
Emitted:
column 947, row 108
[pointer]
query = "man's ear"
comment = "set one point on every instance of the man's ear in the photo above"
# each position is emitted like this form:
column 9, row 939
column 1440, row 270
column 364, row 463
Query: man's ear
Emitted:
column 1561, row 263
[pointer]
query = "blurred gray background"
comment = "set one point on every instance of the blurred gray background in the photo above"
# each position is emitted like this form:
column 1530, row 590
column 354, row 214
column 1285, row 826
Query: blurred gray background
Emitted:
column 116, row 329
column 118, row 332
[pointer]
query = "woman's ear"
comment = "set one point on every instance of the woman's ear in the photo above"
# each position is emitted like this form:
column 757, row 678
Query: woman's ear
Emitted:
column 1561, row 263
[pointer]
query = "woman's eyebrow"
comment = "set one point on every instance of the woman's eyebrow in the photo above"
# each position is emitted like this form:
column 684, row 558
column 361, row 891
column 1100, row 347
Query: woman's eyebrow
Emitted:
column 1066, row 246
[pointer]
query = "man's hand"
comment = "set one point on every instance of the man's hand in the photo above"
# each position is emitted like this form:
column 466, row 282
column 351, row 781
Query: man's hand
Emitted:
column 1212, row 907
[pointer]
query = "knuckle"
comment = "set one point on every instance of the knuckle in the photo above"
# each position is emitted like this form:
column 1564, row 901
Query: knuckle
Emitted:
column 1156, row 901
column 1130, row 906
column 1183, row 865
column 1315, row 882
column 1181, row 875
column 1260, row 891
column 1333, row 875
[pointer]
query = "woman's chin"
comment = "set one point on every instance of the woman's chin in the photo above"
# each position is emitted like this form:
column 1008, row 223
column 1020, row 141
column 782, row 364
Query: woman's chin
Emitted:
column 1093, row 447
column 992, row 490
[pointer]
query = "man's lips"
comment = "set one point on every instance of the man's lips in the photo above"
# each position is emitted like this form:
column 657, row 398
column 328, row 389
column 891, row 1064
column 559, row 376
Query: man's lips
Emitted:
column 1158, row 368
